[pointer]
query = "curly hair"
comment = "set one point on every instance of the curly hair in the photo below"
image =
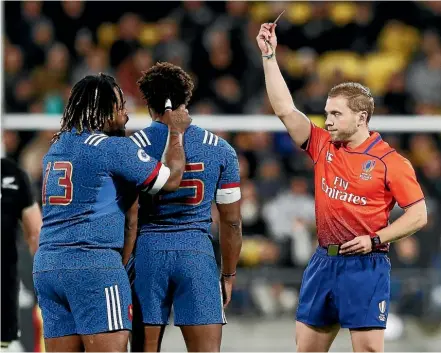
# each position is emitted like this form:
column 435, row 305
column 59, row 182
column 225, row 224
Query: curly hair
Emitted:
column 165, row 81
column 92, row 101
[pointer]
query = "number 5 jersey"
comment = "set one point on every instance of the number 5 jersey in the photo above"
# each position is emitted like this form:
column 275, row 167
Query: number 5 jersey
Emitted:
column 181, row 220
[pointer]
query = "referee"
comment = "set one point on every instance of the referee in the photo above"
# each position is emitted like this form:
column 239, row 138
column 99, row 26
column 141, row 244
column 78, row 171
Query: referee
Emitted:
column 17, row 204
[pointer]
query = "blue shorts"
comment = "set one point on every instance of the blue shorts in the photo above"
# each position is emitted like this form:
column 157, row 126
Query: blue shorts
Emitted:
column 83, row 301
column 188, row 280
column 353, row 291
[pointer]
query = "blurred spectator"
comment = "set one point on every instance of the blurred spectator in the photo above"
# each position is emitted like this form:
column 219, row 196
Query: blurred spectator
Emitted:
column 130, row 71
column 170, row 47
column 96, row 61
column 290, row 217
column 129, row 27
column 54, row 75
column 396, row 100
column 424, row 77
column 42, row 41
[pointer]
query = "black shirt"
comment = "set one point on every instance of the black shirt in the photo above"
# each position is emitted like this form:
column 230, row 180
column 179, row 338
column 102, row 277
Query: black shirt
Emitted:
column 16, row 195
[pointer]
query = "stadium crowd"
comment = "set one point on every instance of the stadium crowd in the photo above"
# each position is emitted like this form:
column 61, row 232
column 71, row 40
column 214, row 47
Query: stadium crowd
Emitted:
column 48, row 46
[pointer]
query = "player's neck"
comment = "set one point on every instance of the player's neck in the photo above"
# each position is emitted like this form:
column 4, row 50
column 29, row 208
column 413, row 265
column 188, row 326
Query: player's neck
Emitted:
column 358, row 138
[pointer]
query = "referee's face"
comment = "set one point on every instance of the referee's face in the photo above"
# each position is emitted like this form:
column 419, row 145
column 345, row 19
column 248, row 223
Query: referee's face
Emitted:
column 341, row 121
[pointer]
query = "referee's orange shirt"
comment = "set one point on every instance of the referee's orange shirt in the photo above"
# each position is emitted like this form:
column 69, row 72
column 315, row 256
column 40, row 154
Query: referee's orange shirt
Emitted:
column 355, row 189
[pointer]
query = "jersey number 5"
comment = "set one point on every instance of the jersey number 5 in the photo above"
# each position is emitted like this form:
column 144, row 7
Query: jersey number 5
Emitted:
column 64, row 181
column 196, row 184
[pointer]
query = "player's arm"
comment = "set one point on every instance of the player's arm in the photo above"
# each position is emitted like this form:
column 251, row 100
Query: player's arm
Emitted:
column 402, row 182
column 230, row 234
column 174, row 155
column 31, row 218
column 413, row 219
column 32, row 221
column 230, row 224
column 297, row 124
column 130, row 231
column 128, row 161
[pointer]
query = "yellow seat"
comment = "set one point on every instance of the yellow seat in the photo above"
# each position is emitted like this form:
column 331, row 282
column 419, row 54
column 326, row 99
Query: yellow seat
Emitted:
column 298, row 13
column 379, row 67
column 399, row 37
column 107, row 34
column 349, row 63
column 342, row 13
column 149, row 35
column 260, row 12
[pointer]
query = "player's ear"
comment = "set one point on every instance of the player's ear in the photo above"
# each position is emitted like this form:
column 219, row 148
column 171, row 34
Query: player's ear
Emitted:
column 362, row 118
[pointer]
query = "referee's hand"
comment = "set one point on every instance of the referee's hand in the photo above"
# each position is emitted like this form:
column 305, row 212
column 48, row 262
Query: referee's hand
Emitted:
column 267, row 34
column 358, row 245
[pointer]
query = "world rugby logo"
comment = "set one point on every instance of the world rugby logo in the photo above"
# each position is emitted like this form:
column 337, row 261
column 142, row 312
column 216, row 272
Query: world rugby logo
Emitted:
column 143, row 156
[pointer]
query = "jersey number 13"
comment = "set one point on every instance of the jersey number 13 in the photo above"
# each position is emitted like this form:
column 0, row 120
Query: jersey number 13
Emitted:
column 64, row 181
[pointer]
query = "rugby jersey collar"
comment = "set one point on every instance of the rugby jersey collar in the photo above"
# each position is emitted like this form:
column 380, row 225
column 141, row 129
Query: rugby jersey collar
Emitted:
column 366, row 145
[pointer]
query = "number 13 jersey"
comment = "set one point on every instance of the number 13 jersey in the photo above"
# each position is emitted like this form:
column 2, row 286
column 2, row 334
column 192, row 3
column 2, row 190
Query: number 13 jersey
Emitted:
column 88, row 183
column 181, row 220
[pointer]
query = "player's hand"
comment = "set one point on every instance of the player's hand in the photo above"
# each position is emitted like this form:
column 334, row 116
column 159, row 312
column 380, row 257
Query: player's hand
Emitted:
column 267, row 33
column 227, row 288
column 358, row 245
column 177, row 119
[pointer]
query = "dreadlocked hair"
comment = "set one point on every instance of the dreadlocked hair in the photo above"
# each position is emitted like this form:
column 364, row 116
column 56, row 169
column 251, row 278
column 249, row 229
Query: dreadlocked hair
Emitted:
column 92, row 101
column 165, row 81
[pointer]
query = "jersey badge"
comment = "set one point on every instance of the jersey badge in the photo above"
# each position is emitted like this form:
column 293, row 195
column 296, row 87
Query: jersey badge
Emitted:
column 367, row 168
column 144, row 157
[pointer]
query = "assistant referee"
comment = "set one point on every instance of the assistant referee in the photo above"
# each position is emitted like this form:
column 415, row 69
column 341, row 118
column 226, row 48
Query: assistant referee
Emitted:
column 17, row 204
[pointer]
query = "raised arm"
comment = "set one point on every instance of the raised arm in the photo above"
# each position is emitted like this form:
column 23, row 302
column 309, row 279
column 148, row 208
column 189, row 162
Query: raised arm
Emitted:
column 297, row 124
column 174, row 156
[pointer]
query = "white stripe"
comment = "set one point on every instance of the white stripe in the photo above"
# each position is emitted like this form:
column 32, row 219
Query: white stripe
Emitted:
column 109, row 316
column 136, row 141
column 226, row 196
column 99, row 140
column 224, row 318
column 205, row 136
column 87, row 140
column 140, row 139
column 94, row 138
column 211, row 138
column 145, row 137
column 112, row 296
column 161, row 179
column 216, row 140
column 118, row 303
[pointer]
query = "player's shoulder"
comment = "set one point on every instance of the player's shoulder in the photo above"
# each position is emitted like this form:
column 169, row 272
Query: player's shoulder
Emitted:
column 383, row 151
column 207, row 138
column 380, row 148
column 141, row 137
column 93, row 140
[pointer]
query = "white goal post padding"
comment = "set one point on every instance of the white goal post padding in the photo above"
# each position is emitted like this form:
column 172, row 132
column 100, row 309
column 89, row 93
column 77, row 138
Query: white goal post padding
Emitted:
column 405, row 124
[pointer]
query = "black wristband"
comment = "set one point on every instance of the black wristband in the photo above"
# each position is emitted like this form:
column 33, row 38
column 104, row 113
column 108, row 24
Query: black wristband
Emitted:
column 376, row 242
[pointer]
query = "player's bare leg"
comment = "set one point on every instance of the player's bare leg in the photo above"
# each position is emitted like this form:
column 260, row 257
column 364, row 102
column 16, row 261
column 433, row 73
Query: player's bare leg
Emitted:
column 106, row 342
column 368, row 340
column 153, row 338
column 71, row 343
column 202, row 338
column 315, row 339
